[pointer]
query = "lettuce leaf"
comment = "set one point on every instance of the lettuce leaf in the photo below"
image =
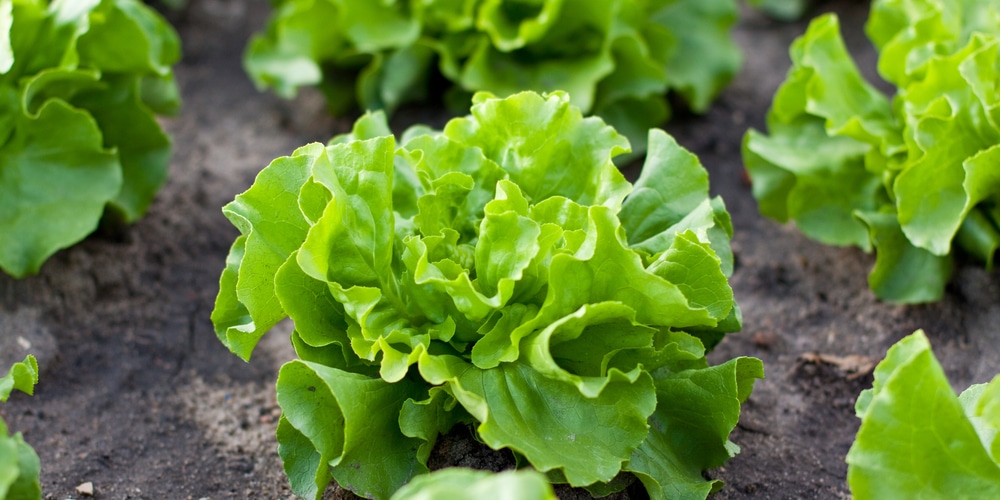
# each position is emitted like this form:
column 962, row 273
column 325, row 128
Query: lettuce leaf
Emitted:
column 81, row 84
column 497, row 269
column 19, row 465
column 917, row 438
column 616, row 58
column 469, row 484
column 913, row 177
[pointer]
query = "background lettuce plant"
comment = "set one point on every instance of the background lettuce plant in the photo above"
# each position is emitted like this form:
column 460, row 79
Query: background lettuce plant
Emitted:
column 502, row 273
column 917, row 439
column 81, row 82
column 912, row 177
column 616, row 58
column 19, row 465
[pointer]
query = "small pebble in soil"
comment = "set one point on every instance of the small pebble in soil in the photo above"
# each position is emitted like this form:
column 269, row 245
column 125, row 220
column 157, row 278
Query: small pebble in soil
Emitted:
column 86, row 489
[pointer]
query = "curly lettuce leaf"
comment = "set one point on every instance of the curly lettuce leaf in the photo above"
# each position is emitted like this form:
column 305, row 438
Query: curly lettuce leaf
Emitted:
column 477, row 275
column 469, row 484
column 22, row 376
column 824, row 121
column 917, row 438
column 903, row 271
column 954, row 146
column 357, row 441
column 561, row 431
column 64, row 180
column 81, row 85
column 616, row 58
column 684, row 439
column 19, row 465
column 913, row 179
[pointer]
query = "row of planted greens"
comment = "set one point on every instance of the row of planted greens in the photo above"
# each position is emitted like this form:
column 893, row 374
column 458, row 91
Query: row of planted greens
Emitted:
column 615, row 58
column 501, row 273
column 100, row 71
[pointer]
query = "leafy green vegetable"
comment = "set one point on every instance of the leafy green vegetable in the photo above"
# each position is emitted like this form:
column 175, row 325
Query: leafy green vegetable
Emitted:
column 468, row 484
column 616, row 58
column 81, row 83
column 19, row 465
column 917, row 439
column 502, row 273
column 912, row 177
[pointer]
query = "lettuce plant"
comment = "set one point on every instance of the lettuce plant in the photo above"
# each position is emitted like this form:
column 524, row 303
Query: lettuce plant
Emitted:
column 81, row 82
column 913, row 177
column 616, row 58
column 917, row 439
column 19, row 465
column 502, row 273
column 468, row 484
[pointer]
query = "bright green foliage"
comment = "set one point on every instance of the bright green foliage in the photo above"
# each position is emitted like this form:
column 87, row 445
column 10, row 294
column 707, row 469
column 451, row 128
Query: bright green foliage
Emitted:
column 502, row 273
column 81, row 82
column 917, row 439
column 19, row 465
column 469, row 484
column 910, row 177
column 616, row 58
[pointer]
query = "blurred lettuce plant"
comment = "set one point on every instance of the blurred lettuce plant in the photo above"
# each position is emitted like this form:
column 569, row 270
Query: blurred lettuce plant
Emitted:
column 81, row 83
column 615, row 58
column 913, row 177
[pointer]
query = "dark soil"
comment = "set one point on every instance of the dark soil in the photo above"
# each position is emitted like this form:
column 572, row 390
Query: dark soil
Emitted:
column 138, row 397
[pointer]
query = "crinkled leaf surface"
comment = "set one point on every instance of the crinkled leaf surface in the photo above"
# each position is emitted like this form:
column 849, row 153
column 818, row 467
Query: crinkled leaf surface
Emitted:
column 357, row 437
column 684, row 437
column 926, row 161
column 616, row 58
column 497, row 256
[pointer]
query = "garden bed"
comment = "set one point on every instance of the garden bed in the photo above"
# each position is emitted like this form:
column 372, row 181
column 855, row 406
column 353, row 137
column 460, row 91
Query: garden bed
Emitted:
column 138, row 397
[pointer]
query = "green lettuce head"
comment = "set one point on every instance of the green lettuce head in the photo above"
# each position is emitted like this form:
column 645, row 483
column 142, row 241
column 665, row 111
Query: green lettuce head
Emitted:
column 81, row 83
column 616, row 58
column 502, row 273
column 913, row 177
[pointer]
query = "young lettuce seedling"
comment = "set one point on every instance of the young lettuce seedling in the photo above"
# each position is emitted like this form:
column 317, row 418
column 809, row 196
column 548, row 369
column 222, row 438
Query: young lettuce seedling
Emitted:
column 19, row 465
